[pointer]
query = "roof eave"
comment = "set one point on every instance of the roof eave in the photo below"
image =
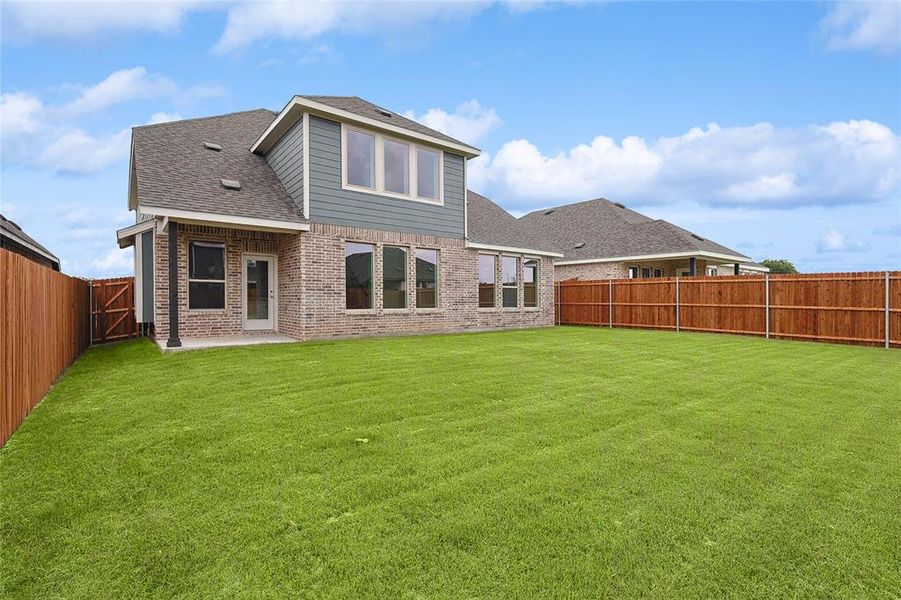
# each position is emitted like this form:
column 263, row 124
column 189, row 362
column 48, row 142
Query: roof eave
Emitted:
column 661, row 256
column 299, row 105
column 518, row 250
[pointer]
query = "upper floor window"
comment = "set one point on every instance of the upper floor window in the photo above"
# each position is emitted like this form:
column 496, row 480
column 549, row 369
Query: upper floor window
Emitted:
column 360, row 158
column 384, row 165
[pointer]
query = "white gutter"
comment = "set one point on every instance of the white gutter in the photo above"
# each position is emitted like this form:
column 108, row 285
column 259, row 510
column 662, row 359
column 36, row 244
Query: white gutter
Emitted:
column 126, row 235
column 713, row 255
column 205, row 218
column 318, row 108
column 496, row 248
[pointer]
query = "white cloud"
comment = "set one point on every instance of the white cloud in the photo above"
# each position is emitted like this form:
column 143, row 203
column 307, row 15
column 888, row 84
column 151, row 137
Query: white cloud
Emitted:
column 80, row 19
column 120, row 86
column 296, row 20
column 470, row 121
column 162, row 117
column 834, row 241
column 858, row 25
column 760, row 166
column 19, row 113
column 78, row 152
column 115, row 261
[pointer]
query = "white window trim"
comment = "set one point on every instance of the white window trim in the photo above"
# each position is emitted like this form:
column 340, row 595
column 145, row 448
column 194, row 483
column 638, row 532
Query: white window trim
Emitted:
column 537, row 282
column 379, row 158
column 637, row 272
column 437, row 281
column 223, row 281
column 493, row 306
column 518, row 285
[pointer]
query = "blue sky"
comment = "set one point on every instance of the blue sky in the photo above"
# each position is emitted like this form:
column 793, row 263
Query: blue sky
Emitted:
column 773, row 128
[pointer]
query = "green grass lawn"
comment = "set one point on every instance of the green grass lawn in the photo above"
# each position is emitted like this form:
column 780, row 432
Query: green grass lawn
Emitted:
column 565, row 461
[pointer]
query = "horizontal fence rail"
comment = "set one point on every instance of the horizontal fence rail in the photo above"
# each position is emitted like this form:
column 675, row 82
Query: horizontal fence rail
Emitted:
column 854, row 308
column 44, row 326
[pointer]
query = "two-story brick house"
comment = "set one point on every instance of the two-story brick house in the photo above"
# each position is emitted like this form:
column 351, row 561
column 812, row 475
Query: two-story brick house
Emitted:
column 332, row 218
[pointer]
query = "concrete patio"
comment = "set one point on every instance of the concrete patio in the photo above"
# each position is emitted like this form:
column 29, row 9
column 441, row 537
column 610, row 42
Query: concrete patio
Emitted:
column 200, row 343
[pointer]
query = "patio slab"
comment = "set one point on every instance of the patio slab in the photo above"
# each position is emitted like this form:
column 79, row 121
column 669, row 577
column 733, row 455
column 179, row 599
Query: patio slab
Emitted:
column 199, row 343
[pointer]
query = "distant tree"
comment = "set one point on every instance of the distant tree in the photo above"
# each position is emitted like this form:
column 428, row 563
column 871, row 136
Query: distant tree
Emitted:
column 779, row 265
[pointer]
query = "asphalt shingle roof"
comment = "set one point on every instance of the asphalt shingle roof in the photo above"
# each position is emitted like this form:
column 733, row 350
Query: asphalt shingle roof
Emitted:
column 364, row 108
column 174, row 169
column 490, row 224
column 609, row 230
column 11, row 229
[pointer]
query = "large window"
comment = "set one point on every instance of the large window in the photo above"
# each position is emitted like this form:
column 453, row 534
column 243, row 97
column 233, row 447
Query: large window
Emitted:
column 509, row 280
column 427, row 177
column 397, row 167
column 487, row 280
column 360, row 159
column 358, row 275
column 394, row 277
column 381, row 164
column 426, row 278
column 206, row 275
column 530, row 283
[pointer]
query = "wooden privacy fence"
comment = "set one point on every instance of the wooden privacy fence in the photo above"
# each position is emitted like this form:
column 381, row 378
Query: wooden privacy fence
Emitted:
column 112, row 310
column 854, row 308
column 43, row 328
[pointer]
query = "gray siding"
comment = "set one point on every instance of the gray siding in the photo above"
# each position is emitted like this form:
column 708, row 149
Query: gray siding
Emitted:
column 147, row 275
column 286, row 159
column 329, row 203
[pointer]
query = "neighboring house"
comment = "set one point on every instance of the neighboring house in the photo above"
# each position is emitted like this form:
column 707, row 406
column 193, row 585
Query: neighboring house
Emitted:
column 12, row 238
column 332, row 218
column 600, row 239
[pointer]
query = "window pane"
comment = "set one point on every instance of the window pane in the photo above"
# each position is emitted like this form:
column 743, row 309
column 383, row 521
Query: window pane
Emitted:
column 206, row 294
column 509, row 280
column 658, row 272
column 360, row 159
column 487, row 280
column 206, row 261
column 645, row 272
column 394, row 277
column 530, row 283
column 426, row 173
column 358, row 275
column 397, row 167
column 426, row 278
column 256, row 300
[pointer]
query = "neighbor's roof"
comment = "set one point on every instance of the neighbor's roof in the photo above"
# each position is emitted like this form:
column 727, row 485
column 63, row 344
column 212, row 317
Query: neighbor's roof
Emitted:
column 604, row 229
column 173, row 169
column 488, row 223
column 9, row 229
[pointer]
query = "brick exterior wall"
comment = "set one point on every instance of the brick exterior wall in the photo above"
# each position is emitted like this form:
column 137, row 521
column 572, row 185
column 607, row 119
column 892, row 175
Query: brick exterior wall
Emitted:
column 620, row 270
column 311, row 292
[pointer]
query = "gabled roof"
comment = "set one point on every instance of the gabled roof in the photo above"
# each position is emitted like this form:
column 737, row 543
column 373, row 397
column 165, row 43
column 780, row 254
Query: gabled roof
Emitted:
column 600, row 229
column 173, row 170
column 356, row 111
column 9, row 229
column 491, row 225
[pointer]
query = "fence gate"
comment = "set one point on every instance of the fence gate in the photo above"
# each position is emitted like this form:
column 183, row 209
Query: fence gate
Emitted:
column 112, row 310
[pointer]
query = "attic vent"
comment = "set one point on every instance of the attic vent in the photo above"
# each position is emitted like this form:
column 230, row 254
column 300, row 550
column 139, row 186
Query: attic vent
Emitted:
column 697, row 237
column 549, row 212
column 620, row 204
column 212, row 146
column 231, row 184
column 383, row 112
column 579, row 245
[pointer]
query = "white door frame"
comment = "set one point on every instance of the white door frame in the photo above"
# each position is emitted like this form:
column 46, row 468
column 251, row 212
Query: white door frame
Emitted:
column 259, row 324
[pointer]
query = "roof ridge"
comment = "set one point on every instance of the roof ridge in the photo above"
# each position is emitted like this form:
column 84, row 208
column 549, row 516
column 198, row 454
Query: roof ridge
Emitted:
column 207, row 118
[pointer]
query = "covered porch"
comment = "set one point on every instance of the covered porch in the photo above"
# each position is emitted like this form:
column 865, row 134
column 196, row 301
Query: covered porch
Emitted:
column 220, row 280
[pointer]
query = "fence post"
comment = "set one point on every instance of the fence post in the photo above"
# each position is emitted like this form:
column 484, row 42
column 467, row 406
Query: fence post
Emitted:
column 610, row 302
column 767, row 293
column 677, row 303
column 887, row 311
